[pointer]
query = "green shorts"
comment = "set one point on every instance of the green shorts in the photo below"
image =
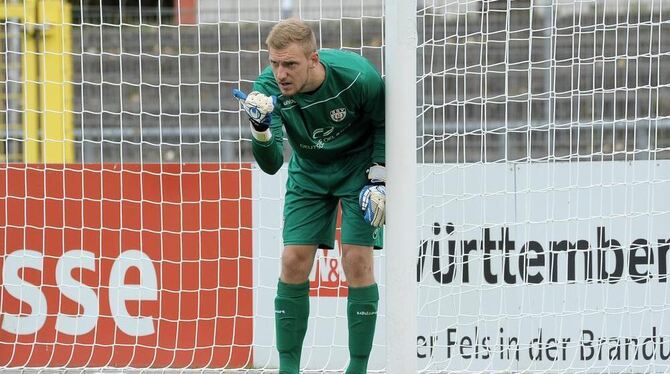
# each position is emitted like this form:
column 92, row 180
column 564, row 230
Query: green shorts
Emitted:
column 313, row 193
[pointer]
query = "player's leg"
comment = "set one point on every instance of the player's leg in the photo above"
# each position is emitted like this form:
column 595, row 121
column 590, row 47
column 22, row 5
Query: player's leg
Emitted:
column 358, row 238
column 292, row 305
column 309, row 222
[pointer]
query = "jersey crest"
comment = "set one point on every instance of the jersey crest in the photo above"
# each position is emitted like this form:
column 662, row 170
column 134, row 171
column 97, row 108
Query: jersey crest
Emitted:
column 338, row 114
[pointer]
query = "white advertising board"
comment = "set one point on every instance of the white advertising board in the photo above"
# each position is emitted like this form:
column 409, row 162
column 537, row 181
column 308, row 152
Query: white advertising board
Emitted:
column 545, row 267
column 531, row 267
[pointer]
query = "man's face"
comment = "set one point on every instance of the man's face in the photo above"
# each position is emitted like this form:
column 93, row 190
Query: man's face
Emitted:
column 291, row 68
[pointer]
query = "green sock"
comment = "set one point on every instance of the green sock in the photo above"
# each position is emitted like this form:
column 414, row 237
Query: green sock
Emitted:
column 362, row 316
column 291, row 314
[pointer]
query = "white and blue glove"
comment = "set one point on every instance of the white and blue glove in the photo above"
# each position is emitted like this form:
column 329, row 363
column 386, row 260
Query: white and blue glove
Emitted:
column 259, row 108
column 372, row 197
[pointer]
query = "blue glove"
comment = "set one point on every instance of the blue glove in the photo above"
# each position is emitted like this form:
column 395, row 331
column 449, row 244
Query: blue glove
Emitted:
column 372, row 197
column 258, row 107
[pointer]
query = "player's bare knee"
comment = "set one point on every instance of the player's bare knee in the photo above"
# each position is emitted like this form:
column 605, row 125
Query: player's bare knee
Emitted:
column 296, row 264
column 358, row 265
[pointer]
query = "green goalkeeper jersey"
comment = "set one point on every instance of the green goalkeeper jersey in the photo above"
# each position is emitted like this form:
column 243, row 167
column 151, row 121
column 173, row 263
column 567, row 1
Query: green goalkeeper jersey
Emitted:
column 343, row 117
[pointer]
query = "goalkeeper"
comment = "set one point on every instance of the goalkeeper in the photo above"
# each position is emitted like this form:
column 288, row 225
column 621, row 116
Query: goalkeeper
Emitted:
column 331, row 104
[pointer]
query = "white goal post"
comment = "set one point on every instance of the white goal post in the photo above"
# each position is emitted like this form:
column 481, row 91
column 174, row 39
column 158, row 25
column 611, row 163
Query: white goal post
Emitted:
column 401, row 288
column 527, row 150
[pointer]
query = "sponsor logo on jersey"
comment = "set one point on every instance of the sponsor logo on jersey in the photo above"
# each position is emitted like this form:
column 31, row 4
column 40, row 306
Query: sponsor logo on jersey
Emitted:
column 338, row 114
column 288, row 102
column 322, row 132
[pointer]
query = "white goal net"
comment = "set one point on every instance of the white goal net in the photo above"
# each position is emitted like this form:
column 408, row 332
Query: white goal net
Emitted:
column 543, row 171
column 138, row 234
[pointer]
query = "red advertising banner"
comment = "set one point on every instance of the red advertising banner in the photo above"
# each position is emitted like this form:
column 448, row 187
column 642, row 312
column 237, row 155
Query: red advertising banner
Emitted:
column 119, row 265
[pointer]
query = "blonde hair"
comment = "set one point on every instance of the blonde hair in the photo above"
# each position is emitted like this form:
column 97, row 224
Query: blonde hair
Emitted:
column 290, row 31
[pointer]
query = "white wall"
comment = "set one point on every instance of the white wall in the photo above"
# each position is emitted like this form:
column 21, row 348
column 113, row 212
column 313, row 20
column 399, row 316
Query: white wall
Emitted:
column 273, row 10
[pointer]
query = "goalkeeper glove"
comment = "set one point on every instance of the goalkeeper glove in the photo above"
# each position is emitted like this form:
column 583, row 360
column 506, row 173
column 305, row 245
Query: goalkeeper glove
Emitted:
column 372, row 197
column 259, row 108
